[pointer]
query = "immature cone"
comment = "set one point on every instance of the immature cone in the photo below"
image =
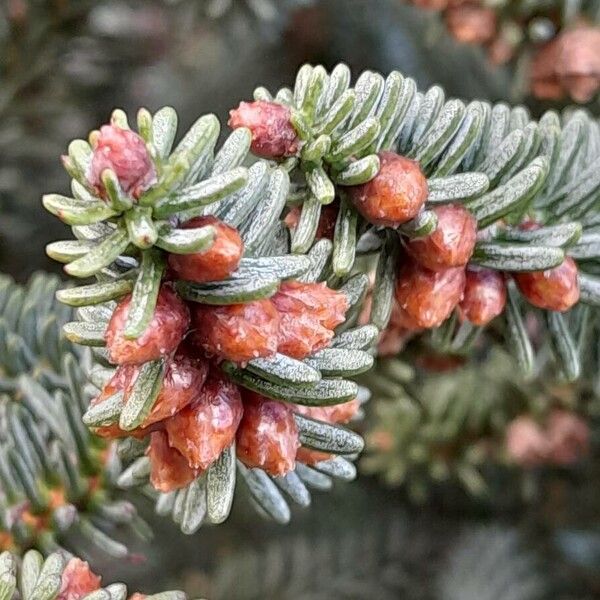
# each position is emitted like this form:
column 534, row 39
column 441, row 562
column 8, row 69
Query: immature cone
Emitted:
column 125, row 153
column 202, row 430
column 545, row 83
column 237, row 332
column 579, row 63
column 450, row 244
column 484, row 296
column 169, row 469
column 162, row 336
column 181, row 386
column 526, row 443
column 395, row 195
column 471, row 23
column 553, row 289
column 569, row 64
column 77, row 581
column 214, row 264
column 273, row 135
column 309, row 312
column 561, row 441
column 427, row 298
column 267, row 437
column 568, row 437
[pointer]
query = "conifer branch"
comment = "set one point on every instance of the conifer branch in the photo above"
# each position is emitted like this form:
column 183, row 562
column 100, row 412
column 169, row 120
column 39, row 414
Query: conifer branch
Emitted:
column 58, row 479
column 58, row 577
column 369, row 178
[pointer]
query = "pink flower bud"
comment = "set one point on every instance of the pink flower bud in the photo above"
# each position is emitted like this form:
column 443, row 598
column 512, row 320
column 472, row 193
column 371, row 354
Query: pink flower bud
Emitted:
column 273, row 135
column 125, row 153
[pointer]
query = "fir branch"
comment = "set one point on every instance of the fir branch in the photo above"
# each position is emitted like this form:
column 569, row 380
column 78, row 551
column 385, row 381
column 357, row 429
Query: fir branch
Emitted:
column 462, row 423
column 193, row 180
column 440, row 428
column 58, row 479
column 59, row 576
column 526, row 190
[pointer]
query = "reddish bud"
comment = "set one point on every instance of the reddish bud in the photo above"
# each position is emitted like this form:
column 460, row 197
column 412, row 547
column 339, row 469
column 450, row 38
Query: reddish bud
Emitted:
column 302, row 335
column 395, row 195
column 214, row 264
column 484, row 297
column 545, row 83
column 553, row 289
column 569, row 64
column 169, row 324
column 562, row 440
column 182, row 385
column 568, row 437
column 309, row 313
column 237, row 332
column 125, row 153
column 316, row 299
column 169, row 469
column 267, row 437
column 578, row 66
column 526, row 443
column 342, row 413
column 427, row 298
column 77, row 581
column 273, row 135
column 202, row 430
column 450, row 244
